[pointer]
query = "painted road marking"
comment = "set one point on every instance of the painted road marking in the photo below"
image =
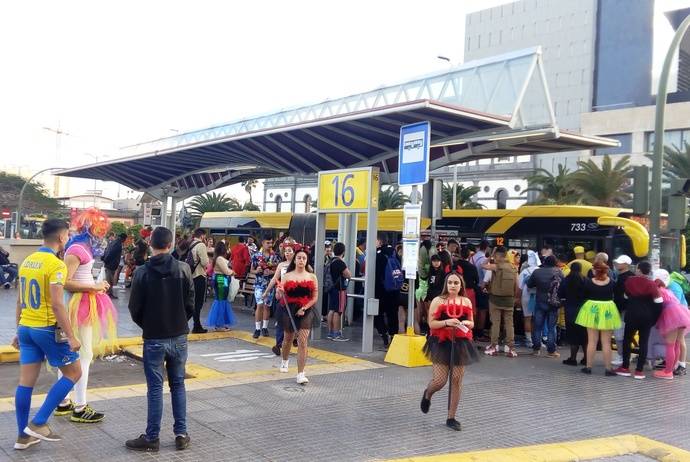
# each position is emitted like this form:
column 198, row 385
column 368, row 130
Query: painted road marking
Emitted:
column 237, row 355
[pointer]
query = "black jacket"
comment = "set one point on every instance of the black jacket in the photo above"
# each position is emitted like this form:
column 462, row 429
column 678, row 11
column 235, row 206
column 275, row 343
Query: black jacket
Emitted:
column 541, row 279
column 619, row 290
column 112, row 254
column 162, row 297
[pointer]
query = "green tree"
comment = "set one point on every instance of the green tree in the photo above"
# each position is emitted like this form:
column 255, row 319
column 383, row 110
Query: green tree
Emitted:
column 250, row 206
column 392, row 198
column 606, row 185
column 553, row 189
column 118, row 228
column 212, row 202
column 249, row 186
column 464, row 197
column 35, row 201
column 676, row 162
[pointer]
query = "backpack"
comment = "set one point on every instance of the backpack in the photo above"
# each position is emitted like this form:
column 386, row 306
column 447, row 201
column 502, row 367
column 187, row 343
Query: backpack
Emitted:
column 503, row 280
column 328, row 282
column 393, row 278
column 189, row 258
column 554, row 300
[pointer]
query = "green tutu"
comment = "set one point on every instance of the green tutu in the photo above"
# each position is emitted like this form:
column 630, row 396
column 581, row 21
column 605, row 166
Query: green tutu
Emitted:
column 599, row 314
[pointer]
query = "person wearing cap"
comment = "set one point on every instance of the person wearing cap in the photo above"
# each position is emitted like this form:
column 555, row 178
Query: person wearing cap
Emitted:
column 642, row 309
column 579, row 252
column 622, row 263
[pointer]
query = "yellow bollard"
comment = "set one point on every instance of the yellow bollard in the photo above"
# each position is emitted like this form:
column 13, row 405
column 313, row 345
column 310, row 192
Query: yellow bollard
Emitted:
column 406, row 350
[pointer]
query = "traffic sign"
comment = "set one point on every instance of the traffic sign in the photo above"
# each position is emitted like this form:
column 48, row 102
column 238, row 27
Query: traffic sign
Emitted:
column 413, row 154
column 348, row 190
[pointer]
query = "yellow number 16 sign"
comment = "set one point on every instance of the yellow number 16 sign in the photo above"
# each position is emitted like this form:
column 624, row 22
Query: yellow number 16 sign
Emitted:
column 348, row 190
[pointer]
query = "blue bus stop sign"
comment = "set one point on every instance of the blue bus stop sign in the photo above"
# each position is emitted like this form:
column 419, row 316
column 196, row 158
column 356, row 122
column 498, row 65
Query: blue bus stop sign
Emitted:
column 413, row 154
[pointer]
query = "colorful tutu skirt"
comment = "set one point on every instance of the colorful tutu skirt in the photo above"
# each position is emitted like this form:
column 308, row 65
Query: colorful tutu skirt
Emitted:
column 221, row 314
column 438, row 352
column 95, row 310
column 673, row 316
column 599, row 315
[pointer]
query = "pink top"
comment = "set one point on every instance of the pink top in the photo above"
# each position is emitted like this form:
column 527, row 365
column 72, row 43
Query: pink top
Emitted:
column 86, row 261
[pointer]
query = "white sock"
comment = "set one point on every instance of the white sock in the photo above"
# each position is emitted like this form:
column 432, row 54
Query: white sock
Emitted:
column 265, row 324
column 257, row 324
column 682, row 364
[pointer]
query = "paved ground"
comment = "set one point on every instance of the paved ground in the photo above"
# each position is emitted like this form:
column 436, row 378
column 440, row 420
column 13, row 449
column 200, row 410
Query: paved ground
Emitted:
column 371, row 414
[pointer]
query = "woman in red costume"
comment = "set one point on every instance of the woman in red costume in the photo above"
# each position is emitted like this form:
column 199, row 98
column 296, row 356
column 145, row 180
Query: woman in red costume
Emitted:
column 299, row 285
column 450, row 344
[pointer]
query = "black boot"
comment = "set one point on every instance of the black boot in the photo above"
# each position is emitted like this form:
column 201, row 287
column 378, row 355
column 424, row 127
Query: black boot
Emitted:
column 425, row 404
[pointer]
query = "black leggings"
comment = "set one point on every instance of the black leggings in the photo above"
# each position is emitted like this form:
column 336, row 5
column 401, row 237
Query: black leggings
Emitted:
column 199, row 297
column 632, row 325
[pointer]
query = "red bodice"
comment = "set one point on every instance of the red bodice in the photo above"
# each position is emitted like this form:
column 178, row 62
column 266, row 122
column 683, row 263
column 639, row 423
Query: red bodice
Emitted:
column 445, row 311
column 299, row 292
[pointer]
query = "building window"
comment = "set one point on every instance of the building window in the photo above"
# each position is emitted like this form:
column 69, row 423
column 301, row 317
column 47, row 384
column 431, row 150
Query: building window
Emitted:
column 501, row 199
column 625, row 140
column 279, row 203
column 676, row 139
column 307, row 203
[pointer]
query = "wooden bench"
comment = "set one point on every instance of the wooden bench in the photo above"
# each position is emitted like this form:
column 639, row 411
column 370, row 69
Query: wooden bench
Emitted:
column 247, row 290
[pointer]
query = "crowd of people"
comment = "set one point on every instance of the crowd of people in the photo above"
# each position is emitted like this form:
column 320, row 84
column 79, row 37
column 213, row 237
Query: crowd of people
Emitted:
column 65, row 314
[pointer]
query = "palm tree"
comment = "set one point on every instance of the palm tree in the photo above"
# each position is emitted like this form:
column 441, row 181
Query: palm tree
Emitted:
column 248, row 186
column 676, row 162
column 606, row 185
column 552, row 189
column 213, row 202
column 392, row 198
column 464, row 197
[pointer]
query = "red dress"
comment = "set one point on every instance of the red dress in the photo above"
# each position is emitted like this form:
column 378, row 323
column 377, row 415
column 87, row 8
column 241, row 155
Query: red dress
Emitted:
column 298, row 294
column 440, row 342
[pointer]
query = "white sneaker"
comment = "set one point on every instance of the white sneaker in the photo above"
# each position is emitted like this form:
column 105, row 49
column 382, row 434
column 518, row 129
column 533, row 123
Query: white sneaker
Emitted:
column 617, row 361
column 302, row 379
column 284, row 365
column 506, row 349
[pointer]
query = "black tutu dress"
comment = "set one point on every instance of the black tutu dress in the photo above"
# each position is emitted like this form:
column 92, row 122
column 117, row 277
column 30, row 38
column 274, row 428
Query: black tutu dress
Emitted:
column 298, row 294
column 439, row 344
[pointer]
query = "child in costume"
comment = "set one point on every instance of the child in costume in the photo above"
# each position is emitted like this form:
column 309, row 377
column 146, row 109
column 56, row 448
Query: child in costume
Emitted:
column 221, row 317
column 91, row 312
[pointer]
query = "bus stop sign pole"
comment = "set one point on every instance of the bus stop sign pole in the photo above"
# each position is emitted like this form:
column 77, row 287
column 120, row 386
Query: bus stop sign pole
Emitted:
column 413, row 163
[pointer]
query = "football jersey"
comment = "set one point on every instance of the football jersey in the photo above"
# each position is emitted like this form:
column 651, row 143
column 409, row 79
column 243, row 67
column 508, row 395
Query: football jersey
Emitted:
column 37, row 273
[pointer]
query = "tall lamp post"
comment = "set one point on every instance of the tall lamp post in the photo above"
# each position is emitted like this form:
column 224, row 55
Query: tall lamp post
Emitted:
column 658, row 156
column 21, row 197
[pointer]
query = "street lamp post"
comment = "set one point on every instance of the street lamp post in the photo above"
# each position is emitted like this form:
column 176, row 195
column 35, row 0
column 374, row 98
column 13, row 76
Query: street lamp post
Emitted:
column 21, row 197
column 658, row 156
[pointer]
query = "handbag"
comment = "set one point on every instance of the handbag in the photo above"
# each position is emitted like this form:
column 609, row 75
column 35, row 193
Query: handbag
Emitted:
column 234, row 288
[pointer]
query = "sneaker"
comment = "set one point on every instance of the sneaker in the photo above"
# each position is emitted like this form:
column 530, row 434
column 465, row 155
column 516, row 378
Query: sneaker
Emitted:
column 340, row 338
column 7, row 286
column 198, row 330
column 570, row 362
column 87, row 415
column 491, row 350
column 511, row 353
column 660, row 365
column 586, row 370
column 25, row 442
column 143, row 444
column 264, row 332
column 182, row 442
column 610, row 373
column 680, row 370
column 64, row 410
column 453, row 424
column 330, row 336
column 663, row 375
column 622, row 371
column 257, row 333
column 276, row 350
column 506, row 349
column 639, row 375
column 302, row 379
column 42, row 432
column 617, row 361
column 284, row 365
column 425, row 404
column 555, row 354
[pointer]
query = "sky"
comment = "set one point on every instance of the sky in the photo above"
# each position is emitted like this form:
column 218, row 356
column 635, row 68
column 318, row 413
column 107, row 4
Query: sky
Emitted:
column 111, row 74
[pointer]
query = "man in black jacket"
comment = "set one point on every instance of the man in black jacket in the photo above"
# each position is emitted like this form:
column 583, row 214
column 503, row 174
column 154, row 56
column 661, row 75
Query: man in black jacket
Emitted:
column 622, row 263
column 111, row 261
column 161, row 303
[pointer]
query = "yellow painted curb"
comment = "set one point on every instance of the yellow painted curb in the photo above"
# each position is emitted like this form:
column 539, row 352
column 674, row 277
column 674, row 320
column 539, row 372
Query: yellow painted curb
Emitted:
column 406, row 350
column 569, row 451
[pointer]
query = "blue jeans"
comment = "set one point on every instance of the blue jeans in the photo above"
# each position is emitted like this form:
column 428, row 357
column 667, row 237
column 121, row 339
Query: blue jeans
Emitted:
column 171, row 352
column 11, row 271
column 544, row 317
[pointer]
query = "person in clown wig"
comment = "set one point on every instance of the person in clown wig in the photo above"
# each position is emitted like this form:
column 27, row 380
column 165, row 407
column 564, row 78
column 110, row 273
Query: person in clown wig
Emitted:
column 91, row 312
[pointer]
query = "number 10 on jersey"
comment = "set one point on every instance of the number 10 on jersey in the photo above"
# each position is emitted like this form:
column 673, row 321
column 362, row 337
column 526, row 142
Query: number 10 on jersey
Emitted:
column 348, row 190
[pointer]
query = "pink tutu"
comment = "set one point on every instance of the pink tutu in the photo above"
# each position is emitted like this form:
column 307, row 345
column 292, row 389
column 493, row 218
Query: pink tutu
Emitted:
column 673, row 315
